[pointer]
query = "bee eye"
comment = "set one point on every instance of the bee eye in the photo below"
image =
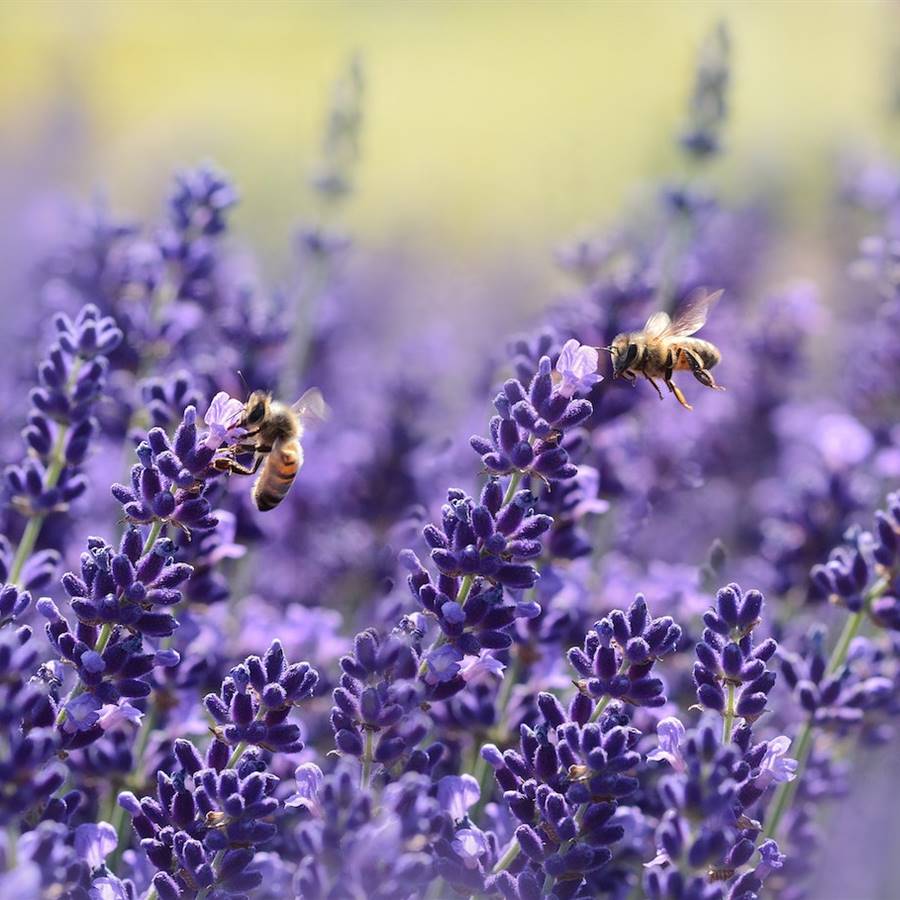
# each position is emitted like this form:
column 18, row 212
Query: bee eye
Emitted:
column 630, row 354
column 255, row 415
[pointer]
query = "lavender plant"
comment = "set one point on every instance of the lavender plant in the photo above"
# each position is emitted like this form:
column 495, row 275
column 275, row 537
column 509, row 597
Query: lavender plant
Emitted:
column 510, row 720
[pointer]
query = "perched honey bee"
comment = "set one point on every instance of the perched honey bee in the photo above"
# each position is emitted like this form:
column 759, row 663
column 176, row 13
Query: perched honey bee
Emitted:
column 273, row 435
column 663, row 347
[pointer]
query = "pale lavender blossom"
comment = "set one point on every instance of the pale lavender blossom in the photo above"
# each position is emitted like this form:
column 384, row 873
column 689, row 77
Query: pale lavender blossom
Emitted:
column 443, row 664
column 776, row 766
column 478, row 669
column 469, row 845
column 772, row 858
column 457, row 794
column 93, row 843
column 670, row 732
column 576, row 368
column 82, row 712
column 222, row 417
column 123, row 713
column 108, row 887
column 309, row 779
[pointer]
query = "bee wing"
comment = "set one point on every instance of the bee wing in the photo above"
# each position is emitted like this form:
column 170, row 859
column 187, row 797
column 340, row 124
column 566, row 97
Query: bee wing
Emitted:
column 658, row 324
column 311, row 407
column 693, row 317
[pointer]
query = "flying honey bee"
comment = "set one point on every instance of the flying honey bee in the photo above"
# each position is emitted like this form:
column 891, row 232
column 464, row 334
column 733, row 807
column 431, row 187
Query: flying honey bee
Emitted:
column 664, row 346
column 273, row 433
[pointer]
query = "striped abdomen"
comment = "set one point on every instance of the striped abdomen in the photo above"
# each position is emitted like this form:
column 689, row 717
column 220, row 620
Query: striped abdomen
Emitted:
column 705, row 351
column 277, row 475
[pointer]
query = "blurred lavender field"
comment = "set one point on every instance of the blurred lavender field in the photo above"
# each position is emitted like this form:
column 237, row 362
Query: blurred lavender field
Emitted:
column 517, row 628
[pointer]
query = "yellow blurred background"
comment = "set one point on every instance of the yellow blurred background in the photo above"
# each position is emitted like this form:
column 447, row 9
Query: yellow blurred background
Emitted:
column 488, row 125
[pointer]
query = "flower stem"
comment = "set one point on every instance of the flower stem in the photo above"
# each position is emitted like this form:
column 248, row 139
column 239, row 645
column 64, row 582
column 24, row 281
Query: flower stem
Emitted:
column 728, row 718
column 152, row 536
column 598, row 709
column 367, row 760
column 514, row 481
column 505, row 861
column 26, row 545
column 788, row 790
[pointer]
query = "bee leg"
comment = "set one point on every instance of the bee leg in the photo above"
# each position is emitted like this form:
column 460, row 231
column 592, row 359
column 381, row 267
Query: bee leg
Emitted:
column 234, row 468
column 704, row 376
column 630, row 377
column 655, row 385
column 670, row 368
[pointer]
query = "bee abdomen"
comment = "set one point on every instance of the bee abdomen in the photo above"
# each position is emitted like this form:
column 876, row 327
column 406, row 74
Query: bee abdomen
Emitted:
column 710, row 355
column 277, row 476
column 707, row 351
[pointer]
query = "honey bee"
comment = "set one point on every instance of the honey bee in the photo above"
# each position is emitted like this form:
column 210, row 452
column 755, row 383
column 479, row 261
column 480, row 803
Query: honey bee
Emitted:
column 664, row 346
column 273, row 433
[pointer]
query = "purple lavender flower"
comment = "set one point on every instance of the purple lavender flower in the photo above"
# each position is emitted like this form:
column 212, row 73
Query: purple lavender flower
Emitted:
column 728, row 660
column 169, row 483
column 255, row 700
column 708, row 107
column 619, row 653
column 60, row 423
column 201, row 828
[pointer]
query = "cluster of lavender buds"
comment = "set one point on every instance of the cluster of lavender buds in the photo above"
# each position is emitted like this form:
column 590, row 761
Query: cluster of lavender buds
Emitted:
column 201, row 829
column 168, row 483
column 730, row 672
column 619, row 653
column 60, row 423
column 564, row 785
column 27, row 771
column 482, row 551
column 255, row 700
column 493, row 712
column 706, row 837
column 197, row 209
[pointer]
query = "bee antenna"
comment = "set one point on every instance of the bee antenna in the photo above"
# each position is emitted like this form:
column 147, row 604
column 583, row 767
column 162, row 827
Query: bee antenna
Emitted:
column 243, row 381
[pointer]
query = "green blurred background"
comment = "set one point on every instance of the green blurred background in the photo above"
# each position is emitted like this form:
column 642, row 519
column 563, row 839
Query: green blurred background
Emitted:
column 490, row 126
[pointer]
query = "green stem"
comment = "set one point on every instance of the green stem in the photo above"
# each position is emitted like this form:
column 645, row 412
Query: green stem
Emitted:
column 26, row 545
column 12, row 840
column 152, row 536
column 479, row 767
column 508, row 858
column 786, row 792
column 514, row 481
column 598, row 709
column 728, row 718
column 116, row 814
column 368, row 759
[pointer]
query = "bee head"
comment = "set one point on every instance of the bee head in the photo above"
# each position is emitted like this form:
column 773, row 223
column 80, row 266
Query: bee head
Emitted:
column 256, row 408
column 622, row 351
